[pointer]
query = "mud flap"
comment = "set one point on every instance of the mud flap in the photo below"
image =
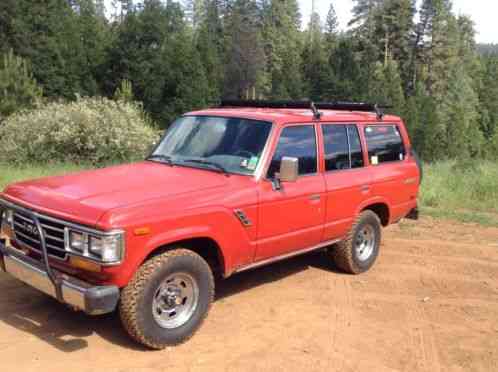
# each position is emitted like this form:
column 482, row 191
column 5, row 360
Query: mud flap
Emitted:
column 413, row 215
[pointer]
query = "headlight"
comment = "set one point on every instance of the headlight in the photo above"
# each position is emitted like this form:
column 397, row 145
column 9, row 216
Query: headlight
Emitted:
column 7, row 221
column 106, row 248
column 8, row 217
column 78, row 242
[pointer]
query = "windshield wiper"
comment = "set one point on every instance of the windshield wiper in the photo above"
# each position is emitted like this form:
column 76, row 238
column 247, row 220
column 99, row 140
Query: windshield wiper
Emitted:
column 165, row 158
column 209, row 163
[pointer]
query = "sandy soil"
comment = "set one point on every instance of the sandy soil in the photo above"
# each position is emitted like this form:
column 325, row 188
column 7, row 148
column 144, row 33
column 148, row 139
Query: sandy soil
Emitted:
column 430, row 304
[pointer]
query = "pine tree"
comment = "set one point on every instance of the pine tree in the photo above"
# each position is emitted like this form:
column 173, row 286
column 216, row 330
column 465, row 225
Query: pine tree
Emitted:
column 331, row 26
column 488, row 91
column 315, row 67
column 387, row 86
column 45, row 33
column 345, row 75
column 394, row 29
column 363, row 29
column 413, row 117
column 90, row 51
column 195, row 11
column 459, row 112
column 209, row 41
column 18, row 88
column 440, row 45
column 244, row 69
column 100, row 9
column 154, row 50
column 283, row 46
column 363, row 20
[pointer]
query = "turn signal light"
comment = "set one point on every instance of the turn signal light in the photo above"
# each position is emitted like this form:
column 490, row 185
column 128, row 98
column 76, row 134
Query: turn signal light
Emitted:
column 141, row 231
column 6, row 232
column 83, row 264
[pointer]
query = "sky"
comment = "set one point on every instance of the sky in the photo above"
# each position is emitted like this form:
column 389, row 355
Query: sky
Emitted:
column 483, row 12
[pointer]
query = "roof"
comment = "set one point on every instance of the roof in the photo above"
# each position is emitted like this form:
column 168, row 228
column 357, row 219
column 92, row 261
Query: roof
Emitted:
column 285, row 116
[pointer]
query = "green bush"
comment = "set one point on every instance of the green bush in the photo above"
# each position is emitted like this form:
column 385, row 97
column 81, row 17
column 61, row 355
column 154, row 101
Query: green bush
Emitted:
column 95, row 130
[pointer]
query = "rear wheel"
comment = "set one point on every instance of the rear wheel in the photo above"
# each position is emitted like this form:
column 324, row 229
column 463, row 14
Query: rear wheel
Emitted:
column 359, row 251
column 168, row 299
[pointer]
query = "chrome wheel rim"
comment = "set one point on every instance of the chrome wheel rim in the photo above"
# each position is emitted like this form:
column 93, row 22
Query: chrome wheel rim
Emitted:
column 175, row 300
column 365, row 243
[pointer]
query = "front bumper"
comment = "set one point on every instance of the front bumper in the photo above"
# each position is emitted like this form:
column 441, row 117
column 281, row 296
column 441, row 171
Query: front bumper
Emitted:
column 93, row 300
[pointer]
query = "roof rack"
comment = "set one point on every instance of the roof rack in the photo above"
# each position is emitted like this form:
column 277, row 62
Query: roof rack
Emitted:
column 313, row 106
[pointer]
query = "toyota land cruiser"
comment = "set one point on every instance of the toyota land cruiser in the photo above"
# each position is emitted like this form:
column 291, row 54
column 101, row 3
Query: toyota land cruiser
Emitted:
column 227, row 189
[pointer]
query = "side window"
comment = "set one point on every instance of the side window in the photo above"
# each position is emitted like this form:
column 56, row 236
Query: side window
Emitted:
column 296, row 142
column 342, row 147
column 385, row 144
column 355, row 145
column 335, row 138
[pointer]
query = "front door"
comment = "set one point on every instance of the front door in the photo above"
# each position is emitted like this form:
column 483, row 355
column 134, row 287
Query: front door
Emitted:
column 292, row 218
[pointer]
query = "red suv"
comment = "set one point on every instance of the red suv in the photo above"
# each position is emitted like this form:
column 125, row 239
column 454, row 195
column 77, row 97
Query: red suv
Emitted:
column 226, row 190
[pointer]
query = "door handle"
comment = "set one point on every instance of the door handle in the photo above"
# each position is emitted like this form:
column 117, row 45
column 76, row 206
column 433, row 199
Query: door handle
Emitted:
column 365, row 188
column 315, row 197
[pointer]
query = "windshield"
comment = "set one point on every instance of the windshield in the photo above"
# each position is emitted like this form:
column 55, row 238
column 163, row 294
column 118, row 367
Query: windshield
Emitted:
column 231, row 145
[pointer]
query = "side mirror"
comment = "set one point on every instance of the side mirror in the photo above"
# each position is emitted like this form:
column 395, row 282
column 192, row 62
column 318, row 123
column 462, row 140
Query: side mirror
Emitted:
column 289, row 169
column 289, row 172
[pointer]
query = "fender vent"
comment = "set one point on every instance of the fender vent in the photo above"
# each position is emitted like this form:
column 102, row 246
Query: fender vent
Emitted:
column 243, row 218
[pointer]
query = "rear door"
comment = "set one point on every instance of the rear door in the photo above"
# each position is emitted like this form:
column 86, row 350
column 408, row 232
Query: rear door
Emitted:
column 346, row 177
column 292, row 218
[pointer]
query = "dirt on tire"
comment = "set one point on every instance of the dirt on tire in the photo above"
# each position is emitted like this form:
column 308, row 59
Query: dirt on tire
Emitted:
column 429, row 304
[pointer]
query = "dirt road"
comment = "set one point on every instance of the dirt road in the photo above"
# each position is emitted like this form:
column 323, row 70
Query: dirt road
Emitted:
column 430, row 304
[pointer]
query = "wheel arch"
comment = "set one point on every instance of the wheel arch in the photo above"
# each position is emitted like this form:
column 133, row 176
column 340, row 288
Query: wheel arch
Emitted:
column 381, row 209
column 205, row 246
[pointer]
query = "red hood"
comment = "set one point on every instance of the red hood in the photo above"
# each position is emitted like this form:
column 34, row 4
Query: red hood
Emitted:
column 84, row 197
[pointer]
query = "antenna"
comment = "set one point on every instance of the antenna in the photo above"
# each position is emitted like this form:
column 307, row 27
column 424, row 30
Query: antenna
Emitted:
column 316, row 114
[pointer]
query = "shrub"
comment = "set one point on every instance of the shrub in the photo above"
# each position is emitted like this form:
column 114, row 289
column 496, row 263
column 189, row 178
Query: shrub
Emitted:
column 124, row 92
column 18, row 88
column 95, row 130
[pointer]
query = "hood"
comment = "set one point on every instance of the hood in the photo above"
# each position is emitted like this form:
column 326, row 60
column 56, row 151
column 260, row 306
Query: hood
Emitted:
column 84, row 197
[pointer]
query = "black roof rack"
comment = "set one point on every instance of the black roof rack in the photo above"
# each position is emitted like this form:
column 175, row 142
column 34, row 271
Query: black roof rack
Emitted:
column 314, row 106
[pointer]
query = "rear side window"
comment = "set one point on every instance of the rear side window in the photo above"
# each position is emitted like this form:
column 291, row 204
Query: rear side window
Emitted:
column 385, row 144
column 342, row 147
column 296, row 142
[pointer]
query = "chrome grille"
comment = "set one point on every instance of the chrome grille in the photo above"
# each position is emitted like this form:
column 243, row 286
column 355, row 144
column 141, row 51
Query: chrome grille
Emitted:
column 26, row 233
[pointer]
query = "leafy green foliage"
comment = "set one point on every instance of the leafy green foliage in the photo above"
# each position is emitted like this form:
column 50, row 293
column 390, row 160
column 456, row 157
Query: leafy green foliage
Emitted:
column 18, row 88
column 88, row 130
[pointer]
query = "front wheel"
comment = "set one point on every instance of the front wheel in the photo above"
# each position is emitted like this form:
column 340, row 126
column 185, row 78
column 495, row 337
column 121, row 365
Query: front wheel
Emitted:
column 168, row 299
column 359, row 251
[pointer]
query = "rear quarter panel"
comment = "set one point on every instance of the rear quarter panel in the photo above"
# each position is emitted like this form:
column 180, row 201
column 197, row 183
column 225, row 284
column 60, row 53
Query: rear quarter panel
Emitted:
column 395, row 183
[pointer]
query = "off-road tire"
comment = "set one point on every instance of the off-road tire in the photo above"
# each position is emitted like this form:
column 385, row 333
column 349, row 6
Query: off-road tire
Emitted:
column 136, row 298
column 344, row 254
